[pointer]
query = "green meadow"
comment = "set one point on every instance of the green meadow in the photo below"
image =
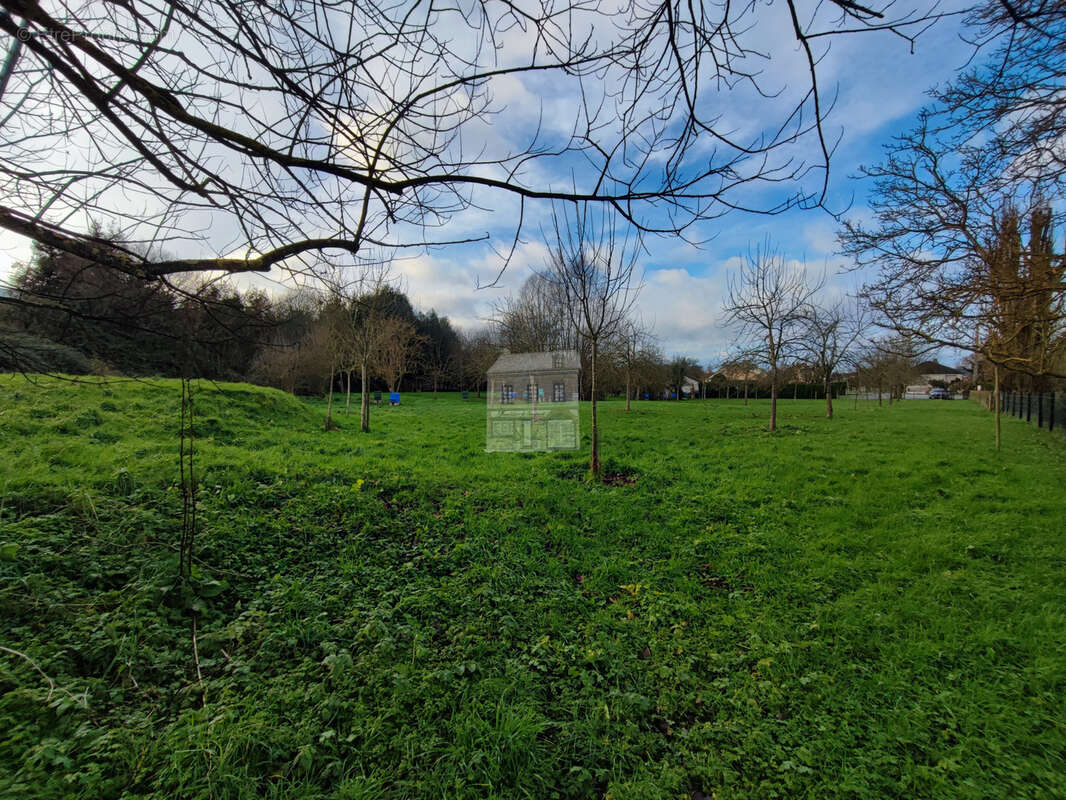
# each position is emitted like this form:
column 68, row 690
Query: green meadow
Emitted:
column 872, row 606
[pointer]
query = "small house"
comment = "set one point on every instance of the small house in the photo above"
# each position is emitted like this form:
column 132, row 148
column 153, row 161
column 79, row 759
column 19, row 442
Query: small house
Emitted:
column 690, row 387
column 932, row 373
column 533, row 402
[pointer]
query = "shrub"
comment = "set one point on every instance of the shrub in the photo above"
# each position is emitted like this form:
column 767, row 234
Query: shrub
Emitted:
column 24, row 352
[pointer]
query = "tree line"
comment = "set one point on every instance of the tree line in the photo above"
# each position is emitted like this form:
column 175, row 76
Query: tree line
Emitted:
column 73, row 316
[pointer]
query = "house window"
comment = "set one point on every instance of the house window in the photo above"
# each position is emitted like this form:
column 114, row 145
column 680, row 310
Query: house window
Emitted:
column 507, row 394
column 559, row 393
column 531, row 391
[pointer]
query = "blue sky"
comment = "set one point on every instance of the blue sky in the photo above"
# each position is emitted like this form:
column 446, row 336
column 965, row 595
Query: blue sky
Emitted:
column 878, row 86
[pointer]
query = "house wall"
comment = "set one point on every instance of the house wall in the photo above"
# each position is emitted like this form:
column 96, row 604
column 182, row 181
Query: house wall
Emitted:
column 524, row 426
column 543, row 380
column 946, row 377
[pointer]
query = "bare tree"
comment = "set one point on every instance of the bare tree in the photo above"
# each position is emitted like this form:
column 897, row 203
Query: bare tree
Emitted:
column 593, row 266
column 441, row 349
column 870, row 369
column 333, row 337
column 895, row 360
column 681, row 367
column 1012, row 101
column 368, row 317
column 768, row 300
column 398, row 344
column 479, row 352
column 319, row 359
column 829, row 341
column 629, row 346
column 652, row 370
column 537, row 319
column 282, row 362
column 739, row 369
column 256, row 136
column 953, row 258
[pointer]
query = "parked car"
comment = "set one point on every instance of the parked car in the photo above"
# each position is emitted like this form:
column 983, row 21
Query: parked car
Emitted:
column 939, row 394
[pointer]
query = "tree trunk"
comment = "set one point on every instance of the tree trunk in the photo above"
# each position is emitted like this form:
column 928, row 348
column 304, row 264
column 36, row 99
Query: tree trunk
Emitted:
column 594, row 460
column 828, row 400
column 364, row 401
column 878, row 392
column 348, row 392
column 995, row 399
column 773, row 400
column 628, row 391
column 745, row 392
column 329, row 403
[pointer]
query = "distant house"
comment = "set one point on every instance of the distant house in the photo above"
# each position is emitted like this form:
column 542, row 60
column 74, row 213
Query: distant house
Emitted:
column 690, row 387
column 533, row 402
column 930, row 372
column 739, row 374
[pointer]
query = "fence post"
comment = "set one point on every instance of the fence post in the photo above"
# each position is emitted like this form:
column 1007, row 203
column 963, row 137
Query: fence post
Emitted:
column 1051, row 414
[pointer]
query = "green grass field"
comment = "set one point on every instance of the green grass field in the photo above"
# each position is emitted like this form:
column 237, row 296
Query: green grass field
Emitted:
column 868, row 607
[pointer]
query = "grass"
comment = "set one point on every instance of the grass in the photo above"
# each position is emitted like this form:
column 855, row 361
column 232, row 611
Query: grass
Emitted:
column 873, row 606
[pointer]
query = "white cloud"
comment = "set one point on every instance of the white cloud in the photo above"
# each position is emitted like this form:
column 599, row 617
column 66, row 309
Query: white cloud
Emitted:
column 463, row 285
column 685, row 312
column 820, row 236
column 14, row 249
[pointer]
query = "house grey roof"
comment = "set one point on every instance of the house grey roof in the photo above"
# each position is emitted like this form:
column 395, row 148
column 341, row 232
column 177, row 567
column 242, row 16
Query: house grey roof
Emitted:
column 935, row 368
column 536, row 362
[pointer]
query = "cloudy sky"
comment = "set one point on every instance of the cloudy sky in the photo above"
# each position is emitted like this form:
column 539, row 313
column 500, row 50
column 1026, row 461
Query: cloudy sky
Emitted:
column 878, row 84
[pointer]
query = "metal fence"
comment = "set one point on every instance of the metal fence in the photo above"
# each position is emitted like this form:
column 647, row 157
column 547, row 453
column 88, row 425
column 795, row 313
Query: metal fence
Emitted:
column 1043, row 410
